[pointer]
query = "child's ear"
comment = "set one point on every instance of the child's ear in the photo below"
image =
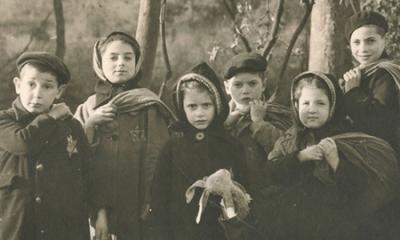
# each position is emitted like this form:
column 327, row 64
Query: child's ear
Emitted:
column 17, row 84
column 61, row 90
column 227, row 87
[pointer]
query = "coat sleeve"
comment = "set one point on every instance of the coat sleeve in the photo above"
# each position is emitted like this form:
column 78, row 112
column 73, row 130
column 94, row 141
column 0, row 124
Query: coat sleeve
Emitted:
column 160, row 191
column 157, row 136
column 373, row 108
column 235, row 229
column 19, row 139
column 283, row 166
column 265, row 134
column 350, row 179
column 87, row 162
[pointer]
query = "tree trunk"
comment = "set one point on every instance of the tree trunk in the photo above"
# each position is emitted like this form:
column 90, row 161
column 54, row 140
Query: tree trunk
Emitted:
column 147, row 35
column 328, row 51
column 60, row 28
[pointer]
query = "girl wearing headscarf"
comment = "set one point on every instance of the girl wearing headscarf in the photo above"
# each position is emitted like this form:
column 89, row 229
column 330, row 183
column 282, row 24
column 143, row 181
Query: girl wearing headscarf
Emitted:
column 329, row 183
column 199, row 147
column 126, row 125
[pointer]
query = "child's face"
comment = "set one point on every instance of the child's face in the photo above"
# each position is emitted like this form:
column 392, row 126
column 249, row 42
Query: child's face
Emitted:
column 313, row 107
column 199, row 108
column 366, row 44
column 37, row 90
column 118, row 62
column 244, row 88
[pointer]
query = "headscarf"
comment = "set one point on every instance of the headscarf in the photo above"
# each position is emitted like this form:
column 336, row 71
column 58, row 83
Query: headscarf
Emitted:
column 105, row 90
column 97, row 65
column 206, row 76
column 336, row 121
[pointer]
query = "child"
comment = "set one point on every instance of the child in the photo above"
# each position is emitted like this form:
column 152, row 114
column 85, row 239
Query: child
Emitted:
column 44, row 157
column 199, row 147
column 127, row 126
column 251, row 119
column 334, row 185
column 371, row 88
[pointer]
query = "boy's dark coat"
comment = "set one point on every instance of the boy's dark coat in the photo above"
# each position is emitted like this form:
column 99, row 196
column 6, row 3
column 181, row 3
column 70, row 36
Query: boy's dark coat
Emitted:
column 43, row 177
column 374, row 106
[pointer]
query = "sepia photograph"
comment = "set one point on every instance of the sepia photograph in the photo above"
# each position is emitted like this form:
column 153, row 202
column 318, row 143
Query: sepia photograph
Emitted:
column 200, row 120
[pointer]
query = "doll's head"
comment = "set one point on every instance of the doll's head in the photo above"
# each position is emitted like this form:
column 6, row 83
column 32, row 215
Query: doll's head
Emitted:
column 117, row 58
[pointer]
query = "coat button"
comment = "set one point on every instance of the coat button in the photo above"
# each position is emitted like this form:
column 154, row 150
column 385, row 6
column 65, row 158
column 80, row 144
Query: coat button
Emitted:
column 200, row 136
column 42, row 231
column 39, row 167
column 38, row 199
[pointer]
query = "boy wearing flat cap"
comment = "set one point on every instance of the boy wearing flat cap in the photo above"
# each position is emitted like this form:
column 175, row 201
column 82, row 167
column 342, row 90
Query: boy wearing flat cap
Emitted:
column 371, row 88
column 43, row 157
column 250, row 120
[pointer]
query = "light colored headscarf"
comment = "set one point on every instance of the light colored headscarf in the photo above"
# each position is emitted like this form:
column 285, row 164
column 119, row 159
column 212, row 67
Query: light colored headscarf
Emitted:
column 115, row 36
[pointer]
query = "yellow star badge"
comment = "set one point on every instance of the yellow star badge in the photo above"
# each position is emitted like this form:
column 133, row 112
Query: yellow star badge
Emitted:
column 71, row 145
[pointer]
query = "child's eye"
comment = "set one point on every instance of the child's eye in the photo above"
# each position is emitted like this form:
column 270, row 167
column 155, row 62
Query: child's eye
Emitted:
column 191, row 106
column 48, row 86
column 238, row 85
column 371, row 40
column 356, row 42
column 114, row 58
column 252, row 83
column 128, row 58
column 31, row 84
column 207, row 105
column 305, row 103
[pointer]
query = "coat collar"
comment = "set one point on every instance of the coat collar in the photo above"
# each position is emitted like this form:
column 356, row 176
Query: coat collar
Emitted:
column 20, row 112
column 105, row 90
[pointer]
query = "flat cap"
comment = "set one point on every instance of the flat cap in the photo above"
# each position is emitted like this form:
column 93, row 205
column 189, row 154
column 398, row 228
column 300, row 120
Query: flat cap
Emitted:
column 365, row 18
column 245, row 62
column 48, row 60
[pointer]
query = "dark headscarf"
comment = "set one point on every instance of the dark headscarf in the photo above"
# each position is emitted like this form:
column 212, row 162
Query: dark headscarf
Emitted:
column 336, row 122
column 206, row 76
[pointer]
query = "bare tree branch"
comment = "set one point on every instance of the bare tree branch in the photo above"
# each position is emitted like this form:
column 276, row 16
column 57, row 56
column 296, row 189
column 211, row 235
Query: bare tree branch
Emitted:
column 168, row 74
column 275, row 28
column 281, row 91
column 31, row 38
column 236, row 29
column 60, row 28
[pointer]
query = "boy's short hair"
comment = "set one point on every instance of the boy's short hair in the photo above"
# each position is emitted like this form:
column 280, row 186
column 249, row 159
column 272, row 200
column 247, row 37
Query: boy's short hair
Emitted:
column 45, row 62
column 245, row 62
column 366, row 18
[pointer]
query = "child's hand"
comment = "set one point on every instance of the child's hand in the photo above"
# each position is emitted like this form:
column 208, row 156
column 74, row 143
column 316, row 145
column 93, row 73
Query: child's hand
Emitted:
column 352, row 79
column 103, row 114
column 60, row 111
column 227, row 212
column 101, row 226
column 258, row 109
column 243, row 109
column 311, row 153
column 329, row 149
